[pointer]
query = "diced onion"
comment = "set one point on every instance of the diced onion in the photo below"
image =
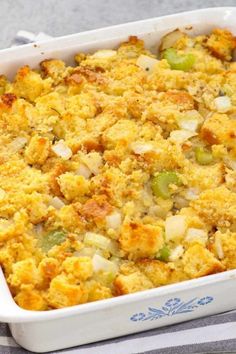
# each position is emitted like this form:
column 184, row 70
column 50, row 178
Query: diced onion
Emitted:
column 180, row 136
column 2, row 194
column 218, row 246
column 198, row 235
column 170, row 39
column 104, row 54
column 113, row 220
column 38, row 228
column 57, row 203
column 17, row 144
column 97, row 240
column 230, row 163
column 85, row 252
column 141, row 148
column 176, row 253
column 190, row 120
column 191, row 194
column 62, row 150
column 93, row 161
column 222, row 103
column 83, row 171
column 175, row 227
column 147, row 63
column 104, row 265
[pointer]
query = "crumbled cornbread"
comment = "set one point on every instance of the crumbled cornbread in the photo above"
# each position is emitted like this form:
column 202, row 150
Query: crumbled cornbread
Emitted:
column 118, row 174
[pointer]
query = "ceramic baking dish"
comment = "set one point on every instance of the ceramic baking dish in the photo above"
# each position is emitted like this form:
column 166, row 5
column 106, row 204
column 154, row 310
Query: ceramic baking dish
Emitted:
column 62, row 328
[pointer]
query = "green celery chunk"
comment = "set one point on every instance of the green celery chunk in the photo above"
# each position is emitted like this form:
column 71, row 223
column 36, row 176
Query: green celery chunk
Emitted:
column 164, row 254
column 203, row 156
column 160, row 183
column 51, row 239
column 179, row 62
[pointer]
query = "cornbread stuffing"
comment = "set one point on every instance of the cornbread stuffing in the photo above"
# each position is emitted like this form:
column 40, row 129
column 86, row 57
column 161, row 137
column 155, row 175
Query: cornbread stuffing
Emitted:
column 118, row 174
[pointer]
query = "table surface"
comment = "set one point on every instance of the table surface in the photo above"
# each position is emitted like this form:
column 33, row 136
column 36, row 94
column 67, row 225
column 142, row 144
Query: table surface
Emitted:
column 69, row 16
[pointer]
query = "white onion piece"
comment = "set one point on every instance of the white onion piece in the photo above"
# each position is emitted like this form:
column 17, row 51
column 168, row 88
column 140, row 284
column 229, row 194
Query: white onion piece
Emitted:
column 140, row 148
column 230, row 163
column 62, row 150
column 2, row 194
column 97, row 240
column 175, row 227
column 187, row 123
column 93, row 161
column 17, row 144
column 104, row 54
column 104, row 265
column 170, row 39
column 146, row 63
column 223, row 104
column 218, row 246
column 194, row 234
column 192, row 194
column 83, row 171
column 180, row 136
column 56, row 203
column 113, row 220
column 176, row 253
column 38, row 228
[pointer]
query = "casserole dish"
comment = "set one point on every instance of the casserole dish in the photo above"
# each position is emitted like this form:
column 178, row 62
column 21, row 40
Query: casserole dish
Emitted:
column 133, row 313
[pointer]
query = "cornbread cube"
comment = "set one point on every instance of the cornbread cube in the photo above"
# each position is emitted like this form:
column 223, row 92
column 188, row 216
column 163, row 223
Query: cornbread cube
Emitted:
column 139, row 240
column 72, row 186
column 98, row 292
column 121, row 133
column 24, row 272
column 198, row 261
column 158, row 272
column 53, row 68
column 30, row 299
column 227, row 246
column 221, row 44
column 216, row 206
column 127, row 284
column 29, row 84
column 219, row 129
column 62, row 293
column 80, row 267
column 38, row 150
column 48, row 268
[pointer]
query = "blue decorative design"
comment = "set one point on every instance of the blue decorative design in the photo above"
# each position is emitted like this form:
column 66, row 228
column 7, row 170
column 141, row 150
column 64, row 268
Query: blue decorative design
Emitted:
column 172, row 307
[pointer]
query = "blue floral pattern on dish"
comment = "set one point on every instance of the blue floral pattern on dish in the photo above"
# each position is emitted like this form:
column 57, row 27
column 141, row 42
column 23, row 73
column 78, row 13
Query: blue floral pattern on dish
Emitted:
column 172, row 307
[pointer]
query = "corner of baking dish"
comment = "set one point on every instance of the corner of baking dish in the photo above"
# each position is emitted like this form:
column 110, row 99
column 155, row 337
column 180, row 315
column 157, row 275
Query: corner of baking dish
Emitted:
column 151, row 31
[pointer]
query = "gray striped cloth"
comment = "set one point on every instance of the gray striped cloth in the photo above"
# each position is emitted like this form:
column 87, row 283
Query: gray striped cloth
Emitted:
column 214, row 334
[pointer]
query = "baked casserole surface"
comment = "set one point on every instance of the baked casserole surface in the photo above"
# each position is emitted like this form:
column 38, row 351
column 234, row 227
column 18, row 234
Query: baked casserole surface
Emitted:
column 118, row 174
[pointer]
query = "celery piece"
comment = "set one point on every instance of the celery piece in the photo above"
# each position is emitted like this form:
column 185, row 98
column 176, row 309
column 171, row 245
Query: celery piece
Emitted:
column 182, row 62
column 164, row 254
column 203, row 156
column 160, row 183
column 51, row 239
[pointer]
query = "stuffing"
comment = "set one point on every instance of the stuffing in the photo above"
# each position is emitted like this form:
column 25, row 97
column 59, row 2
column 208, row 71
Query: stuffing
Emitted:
column 128, row 284
column 117, row 174
column 73, row 186
column 140, row 240
column 157, row 271
column 216, row 206
column 198, row 261
column 219, row 129
column 31, row 299
column 37, row 151
column 62, row 293
column 80, row 267
column 221, row 43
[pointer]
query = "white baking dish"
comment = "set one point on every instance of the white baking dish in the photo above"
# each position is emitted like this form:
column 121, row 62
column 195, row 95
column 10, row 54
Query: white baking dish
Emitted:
column 45, row 331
